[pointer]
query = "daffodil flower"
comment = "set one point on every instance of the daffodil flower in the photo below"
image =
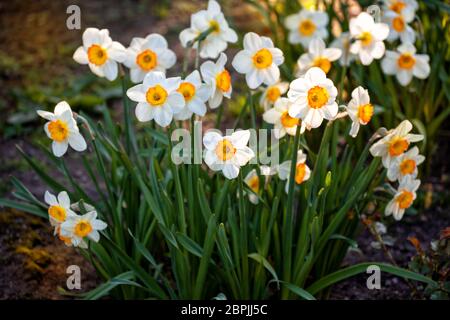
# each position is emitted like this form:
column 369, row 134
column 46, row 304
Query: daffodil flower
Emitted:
column 62, row 129
column 195, row 95
column 59, row 208
column 403, row 198
column 405, row 7
column 306, row 25
column 368, row 36
column 359, row 109
column 259, row 61
column 318, row 55
column 395, row 143
column 100, row 53
column 302, row 171
column 398, row 26
column 280, row 118
column 228, row 153
column 405, row 165
column 252, row 181
column 405, row 63
column 271, row 94
column 157, row 98
column 79, row 227
column 148, row 54
column 313, row 98
column 218, row 79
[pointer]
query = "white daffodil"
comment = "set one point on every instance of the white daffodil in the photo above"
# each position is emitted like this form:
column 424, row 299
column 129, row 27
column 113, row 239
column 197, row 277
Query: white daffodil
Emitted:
column 302, row 171
column 148, row 54
column 343, row 43
column 157, row 98
column 100, row 53
column 195, row 95
column 218, row 79
column 398, row 27
column 405, row 64
column 62, row 129
column 252, row 181
column 229, row 153
column 306, row 25
column 405, row 7
column 220, row 33
column 78, row 227
column 368, row 37
column 59, row 208
column 405, row 165
column 318, row 55
column 280, row 118
column 271, row 94
column 313, row 98
column 259, row 61
column 403, row 198
column 359, row 109
column 395, row 143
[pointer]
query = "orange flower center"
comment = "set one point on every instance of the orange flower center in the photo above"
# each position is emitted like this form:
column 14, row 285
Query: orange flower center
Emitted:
column 365, row 112
column 306, row 27
column 398, row 6
column 253, row 183
column 262, row 59
column 406, row 61
column 156, row 95
column 398, row 24
column 407, row 166
column 83, row 228
column 366, row 38
column 405, row 199
column 66, row 240
column 187, row 90
column 147, row 60
column 97, row 55
column 214, row 25
column 223, row 81
column 322, row 63
column 59, row 130
column 57, row 212
column 273, row 93
column 300, row 172
column 397, row 146
column 287, row 121
column 317, row 97
column 225, row 150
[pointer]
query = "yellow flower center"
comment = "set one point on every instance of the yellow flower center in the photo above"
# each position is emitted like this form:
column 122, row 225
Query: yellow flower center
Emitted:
column 59, row 131
column 214, row 25
column 406, row 61
column 225, row 150
column 156, row 95
column 398, row 24
column 97, row 55
column 306, row 27
column 405, row 199
column 187, row 90
column 262, row 59
column 273, row 93
column 253, row 183
column 287, row 121
column 397, row 146
column 300, row 172
column 322, row 63
column 223, row 81
column 398, row 6
column 147, row 60
column 366, row 38
column 57, row 212
column 66, row 240
column 317, row 97
column 365, row 112
column 407, row 166
column 83, row 228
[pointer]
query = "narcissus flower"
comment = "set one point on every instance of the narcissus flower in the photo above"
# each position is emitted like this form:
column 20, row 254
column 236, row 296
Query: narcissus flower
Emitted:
column 59, row 208
column 100, row 53
column 157, row 98
column 318, row 55
column 218, row 79
column 405, row 64
column 280, row 118
column 62, row 129
column 252, row 181
column 195, row 95
column 228, row 153
column 368, row 37
column 405, row 165
column 405, row 7
column 148, row 54
column 343, row 43
column 302, row 171
column 272, row 93
column 306, row 25
column 359, row 109
column 399, row 28
column 313, row 98
column 217, row 40
column 79, row 227
column 395, row 143
column 259, row 61
column 403, row 198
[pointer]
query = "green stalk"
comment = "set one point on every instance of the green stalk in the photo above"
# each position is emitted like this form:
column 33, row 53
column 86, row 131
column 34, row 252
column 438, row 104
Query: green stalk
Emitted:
column 244, row 241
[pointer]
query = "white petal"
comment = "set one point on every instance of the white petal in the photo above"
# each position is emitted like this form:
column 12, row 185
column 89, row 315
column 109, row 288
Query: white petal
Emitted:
column 117, row 52
column 144, row 112
column 176, row 101
column 59, row 148
column 211, row 139
column 197, row 106
column 163, row 116
column 243, row 156
column 77, row 142
column 242, row 61
column 240, row 138
column 137, row 93
column 404, row 77
column 252, row 42
column 153, row 78
column 50, row 199
column 230, row 171
column 254, row 78
column 110, row 70
column 80, row 56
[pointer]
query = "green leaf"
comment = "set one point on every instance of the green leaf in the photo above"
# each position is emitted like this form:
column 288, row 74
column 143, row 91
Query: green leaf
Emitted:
column 190, row 245
column 105, row 288
column 260, row 259
column 298, row 291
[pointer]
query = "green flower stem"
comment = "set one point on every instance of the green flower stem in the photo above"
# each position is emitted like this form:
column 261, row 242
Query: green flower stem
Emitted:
column 244, row 241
